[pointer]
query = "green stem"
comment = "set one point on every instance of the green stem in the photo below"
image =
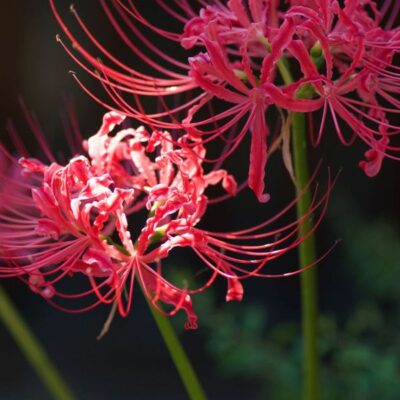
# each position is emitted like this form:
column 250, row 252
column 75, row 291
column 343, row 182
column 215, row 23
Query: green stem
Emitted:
column 307, row 252
column 182, row 363
column 307, row 256
column 179, row 357
column 32, row 349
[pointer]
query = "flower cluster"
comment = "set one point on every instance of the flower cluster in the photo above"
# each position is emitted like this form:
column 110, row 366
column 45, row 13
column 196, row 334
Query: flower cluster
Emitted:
column 75, row 220
column 247, row 60
column 328, row 58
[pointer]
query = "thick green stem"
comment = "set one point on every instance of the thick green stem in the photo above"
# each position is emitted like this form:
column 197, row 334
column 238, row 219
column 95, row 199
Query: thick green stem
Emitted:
column 32, row 349
column 307, row 252
column 307, row 256
column 179, row 357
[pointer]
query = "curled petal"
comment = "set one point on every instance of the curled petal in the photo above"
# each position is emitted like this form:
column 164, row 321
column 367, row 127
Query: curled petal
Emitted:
column 169, row 294
column 374, row 158
column 228, row 181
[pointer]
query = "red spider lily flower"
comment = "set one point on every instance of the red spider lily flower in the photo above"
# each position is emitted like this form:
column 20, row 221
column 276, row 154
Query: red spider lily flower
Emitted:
column 74, row 220
column 218, row 77
column 342, row 56
column 361, row 54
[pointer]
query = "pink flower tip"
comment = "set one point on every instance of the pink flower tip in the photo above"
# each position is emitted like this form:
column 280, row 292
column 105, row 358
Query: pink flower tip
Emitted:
column 374, row 157
column 264, row 198
column 235, row 291
column 191, row 323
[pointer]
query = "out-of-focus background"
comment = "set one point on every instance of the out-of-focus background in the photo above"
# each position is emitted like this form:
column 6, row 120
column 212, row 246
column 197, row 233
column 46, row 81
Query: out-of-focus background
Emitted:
column 248, row 350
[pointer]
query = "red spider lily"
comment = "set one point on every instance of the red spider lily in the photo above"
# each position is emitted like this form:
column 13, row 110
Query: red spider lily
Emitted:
column 342, row 61
column 362, row 56
column 73, row 220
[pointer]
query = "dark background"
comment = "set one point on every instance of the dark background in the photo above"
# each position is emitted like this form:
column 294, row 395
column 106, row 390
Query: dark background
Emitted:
column 131, row 361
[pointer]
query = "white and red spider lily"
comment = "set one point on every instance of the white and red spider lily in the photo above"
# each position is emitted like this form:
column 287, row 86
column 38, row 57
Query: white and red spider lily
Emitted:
column 60, row 222
column 342, row 55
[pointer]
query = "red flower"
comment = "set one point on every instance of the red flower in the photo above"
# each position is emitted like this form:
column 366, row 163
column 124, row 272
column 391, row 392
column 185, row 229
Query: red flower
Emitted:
column 342, row 62
column 73, row 220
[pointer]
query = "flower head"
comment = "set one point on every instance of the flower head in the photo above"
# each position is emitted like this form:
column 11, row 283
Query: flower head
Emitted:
column 75, row 220
column 327, row 58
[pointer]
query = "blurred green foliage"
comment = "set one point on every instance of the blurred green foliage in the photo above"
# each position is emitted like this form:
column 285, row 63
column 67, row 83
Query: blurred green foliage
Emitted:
column 360, row 347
